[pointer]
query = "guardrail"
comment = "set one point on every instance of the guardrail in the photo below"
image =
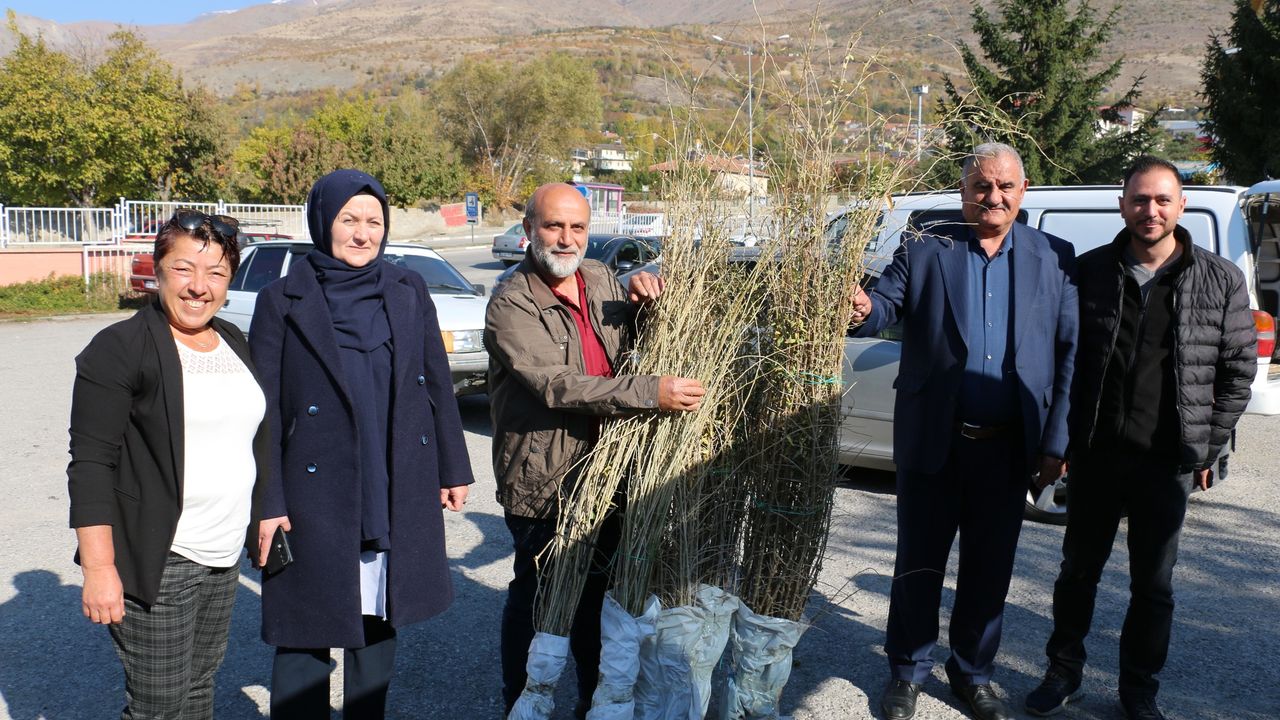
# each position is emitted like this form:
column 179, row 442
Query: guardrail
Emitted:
column 46, row 226
column 133, row 219
column 624, row 223
column 109, row 238
column 283, row 219
column 143, row 217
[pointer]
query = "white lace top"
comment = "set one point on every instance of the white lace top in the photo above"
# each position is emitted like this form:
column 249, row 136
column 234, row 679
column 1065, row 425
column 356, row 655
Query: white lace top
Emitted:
column 222, row 408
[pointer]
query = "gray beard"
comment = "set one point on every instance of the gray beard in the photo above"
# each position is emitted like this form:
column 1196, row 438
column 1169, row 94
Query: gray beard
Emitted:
column 553, row 264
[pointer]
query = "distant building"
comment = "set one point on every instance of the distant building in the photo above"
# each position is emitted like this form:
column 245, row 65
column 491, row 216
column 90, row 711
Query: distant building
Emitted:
column 1182, row 126
column 734, row 175
column 1129, row 120
column 606, row 157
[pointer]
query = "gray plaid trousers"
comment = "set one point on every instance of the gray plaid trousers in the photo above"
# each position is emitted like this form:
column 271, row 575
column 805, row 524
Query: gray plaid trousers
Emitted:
column 172, row 649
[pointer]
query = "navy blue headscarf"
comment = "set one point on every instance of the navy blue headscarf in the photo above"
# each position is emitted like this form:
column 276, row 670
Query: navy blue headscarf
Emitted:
column 354, row 296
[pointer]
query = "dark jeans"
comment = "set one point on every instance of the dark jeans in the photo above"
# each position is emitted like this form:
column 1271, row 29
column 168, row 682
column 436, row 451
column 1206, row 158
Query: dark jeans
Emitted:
column 530, row 537
column 980, row 493
column 300, row 677
column 1102, row 487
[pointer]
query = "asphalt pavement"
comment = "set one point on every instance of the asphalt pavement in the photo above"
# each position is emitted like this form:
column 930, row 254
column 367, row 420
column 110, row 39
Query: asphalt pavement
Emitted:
column 55, row 665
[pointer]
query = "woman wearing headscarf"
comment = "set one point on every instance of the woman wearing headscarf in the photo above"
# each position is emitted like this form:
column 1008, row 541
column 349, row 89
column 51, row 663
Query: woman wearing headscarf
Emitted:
column 168, row 461
column 367, row 448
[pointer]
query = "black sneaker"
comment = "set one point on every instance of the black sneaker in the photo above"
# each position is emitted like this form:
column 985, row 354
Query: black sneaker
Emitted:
column 1141, row 707
column 1056, row 690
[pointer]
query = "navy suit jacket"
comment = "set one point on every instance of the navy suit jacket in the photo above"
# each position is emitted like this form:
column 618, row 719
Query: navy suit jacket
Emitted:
column 926, row 287
column 315, row 602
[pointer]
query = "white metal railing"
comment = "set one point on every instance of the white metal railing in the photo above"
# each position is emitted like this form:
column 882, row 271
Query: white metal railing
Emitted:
column 101, row 233
column 111, row 263
column 49, row 226
column 282, row 219
column 624, row 223
column 142, row 218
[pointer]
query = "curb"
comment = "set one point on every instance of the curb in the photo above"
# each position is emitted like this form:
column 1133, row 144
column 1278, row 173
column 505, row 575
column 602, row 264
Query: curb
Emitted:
column 447, row 242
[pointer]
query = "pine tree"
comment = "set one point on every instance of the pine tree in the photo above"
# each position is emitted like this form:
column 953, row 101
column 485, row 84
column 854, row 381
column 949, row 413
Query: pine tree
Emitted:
column 1034, row 90
column 1241, row 77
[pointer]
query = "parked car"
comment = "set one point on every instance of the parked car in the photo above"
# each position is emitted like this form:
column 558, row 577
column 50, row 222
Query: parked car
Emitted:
column 248, row 237
column 142, row 273
column 1087, row 217
column 459, row 304
column 142, row 268
column 509, row 246
column 621, row 253
column 644, row 224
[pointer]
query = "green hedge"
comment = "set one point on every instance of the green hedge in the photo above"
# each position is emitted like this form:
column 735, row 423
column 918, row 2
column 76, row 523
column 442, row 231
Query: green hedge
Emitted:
column 68, row 295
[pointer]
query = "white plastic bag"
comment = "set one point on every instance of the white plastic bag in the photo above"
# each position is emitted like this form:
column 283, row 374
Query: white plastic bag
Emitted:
column 761, row 665
column 620, row 639
column 547, row 657
column 676, row 666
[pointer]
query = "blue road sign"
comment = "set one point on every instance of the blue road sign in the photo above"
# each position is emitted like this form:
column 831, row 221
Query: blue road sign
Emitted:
column 473, row 208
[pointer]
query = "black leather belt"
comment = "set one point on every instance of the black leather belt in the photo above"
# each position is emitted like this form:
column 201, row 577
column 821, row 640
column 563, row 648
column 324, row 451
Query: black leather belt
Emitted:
column 982, row 432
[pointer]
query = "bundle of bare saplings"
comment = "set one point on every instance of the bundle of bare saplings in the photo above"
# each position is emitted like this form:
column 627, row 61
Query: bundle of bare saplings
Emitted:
column 727, row 509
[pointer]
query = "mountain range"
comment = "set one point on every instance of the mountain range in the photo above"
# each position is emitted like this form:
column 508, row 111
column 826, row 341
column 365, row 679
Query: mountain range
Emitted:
column 291, row 45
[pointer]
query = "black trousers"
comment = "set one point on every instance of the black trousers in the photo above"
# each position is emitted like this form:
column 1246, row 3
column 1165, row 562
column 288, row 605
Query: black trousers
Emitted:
column 530, row 537
column 980, row 493
column 1102, row 487
column 300, row 677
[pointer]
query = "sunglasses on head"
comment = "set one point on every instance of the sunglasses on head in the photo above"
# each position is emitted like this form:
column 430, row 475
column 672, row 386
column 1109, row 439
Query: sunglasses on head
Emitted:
column 191, row 220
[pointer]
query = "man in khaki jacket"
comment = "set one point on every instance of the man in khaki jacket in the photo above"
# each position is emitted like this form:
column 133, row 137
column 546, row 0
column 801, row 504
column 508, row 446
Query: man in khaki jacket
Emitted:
column 554, row 335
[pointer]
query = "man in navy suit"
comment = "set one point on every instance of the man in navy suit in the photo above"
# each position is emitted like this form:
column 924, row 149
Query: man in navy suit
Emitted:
column 989, row 319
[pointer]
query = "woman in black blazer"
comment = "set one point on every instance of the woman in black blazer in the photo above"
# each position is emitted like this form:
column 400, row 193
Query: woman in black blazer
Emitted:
column 168, row 460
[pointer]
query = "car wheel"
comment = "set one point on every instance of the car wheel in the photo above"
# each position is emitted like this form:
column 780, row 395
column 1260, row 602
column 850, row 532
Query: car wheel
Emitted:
column 1049, row 505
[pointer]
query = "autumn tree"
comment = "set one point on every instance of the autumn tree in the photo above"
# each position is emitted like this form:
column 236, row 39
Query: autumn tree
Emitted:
column 200, row 162
column 48, row 132
column 399, row 143
column 509, row 120
column 1034, row 88
column 1241, row 77
column 83, row 132
column 409, row 155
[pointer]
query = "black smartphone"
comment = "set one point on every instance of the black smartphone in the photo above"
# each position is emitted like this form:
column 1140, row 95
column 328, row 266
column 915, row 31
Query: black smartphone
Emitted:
column 279, row 556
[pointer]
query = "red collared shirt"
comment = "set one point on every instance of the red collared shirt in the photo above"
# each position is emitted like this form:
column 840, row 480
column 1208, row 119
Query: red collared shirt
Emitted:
column 594, row 358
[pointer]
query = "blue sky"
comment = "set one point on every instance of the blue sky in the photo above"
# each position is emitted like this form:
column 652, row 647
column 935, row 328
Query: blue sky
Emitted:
column 126, row 12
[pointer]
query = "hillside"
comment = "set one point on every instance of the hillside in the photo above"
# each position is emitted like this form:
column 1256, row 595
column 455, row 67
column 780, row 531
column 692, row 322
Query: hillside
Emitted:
column 307, row 44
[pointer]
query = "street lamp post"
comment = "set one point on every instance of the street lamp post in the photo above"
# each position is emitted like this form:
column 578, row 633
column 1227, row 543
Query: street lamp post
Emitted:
column 751, row 129
column 920, row 91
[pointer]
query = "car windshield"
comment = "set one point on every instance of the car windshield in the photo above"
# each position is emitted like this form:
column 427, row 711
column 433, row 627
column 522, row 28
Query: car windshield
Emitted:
column 596, row 247
column 440, row 276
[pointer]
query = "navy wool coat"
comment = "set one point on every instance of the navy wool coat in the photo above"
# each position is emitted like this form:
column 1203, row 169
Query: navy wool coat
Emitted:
column 315, row 602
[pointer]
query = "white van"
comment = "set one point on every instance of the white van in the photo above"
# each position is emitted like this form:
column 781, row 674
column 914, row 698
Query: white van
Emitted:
column 1240, row 225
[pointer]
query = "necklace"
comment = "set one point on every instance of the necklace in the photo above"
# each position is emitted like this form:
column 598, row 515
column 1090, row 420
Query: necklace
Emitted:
column 194, row 340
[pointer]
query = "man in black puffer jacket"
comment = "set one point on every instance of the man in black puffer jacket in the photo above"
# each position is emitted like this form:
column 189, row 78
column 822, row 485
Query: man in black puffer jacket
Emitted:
column 1165, row 358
